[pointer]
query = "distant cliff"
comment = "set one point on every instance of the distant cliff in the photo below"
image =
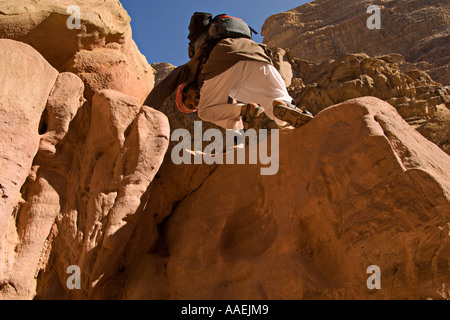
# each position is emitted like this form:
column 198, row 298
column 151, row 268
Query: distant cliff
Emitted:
column 327, row 29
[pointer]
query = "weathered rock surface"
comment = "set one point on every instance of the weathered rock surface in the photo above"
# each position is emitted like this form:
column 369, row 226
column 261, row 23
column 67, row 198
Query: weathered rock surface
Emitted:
column 45, row 133
column 316, row 86
column 89, row 179
column 101, row 52
column 357, row 186
column 162, row 70
column 27, row 80
column 414, row 94
column 437, row 129
column 334, row 56
column 75, row 173
column 327, row 29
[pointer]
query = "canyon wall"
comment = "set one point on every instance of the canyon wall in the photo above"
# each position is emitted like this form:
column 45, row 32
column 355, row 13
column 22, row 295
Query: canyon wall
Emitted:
column 89, row 184
column 327, row 29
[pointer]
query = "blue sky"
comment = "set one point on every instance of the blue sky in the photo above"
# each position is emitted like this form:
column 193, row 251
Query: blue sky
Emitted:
column 160, row 27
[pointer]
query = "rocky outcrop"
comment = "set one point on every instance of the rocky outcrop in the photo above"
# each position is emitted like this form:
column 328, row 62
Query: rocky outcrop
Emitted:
column 357, row 186
column 75, row 172
column 414, row 94
column 79, row 150
column 101, row 51
column 437, row 129
column 88, row 178
column 162, row 70
column 316, row 86
column 334, row 56
column 327, row 29
column 20, row 116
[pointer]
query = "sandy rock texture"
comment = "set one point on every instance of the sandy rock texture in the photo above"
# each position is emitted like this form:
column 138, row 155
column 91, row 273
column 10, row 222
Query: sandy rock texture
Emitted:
column 78, row 149
column 437, row 129
column 101, row 52
column 413, row 93
column 327, row 55
column 324, row 29
column 22, row 69
column 357, row 186
column 74, row 173
column 416, row 97
column 88, row 182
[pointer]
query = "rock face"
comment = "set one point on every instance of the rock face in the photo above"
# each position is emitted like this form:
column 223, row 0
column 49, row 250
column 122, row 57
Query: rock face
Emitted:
column 162, row 70
column 357, row 187
column 310, row 230
column 75, row 171
column 327, row 29
column 334, row 56
column 316, row 86
column 101, row 52
column 414, row 94
column 437, row 129
column 20, row 116
column 78, row 150
column 88, row 182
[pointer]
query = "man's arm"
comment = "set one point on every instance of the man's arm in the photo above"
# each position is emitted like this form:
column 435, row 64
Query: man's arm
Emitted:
column 165, row 88
column 185, row 73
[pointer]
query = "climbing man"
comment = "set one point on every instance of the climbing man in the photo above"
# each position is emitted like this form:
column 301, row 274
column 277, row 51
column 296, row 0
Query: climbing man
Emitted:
column 230, row 79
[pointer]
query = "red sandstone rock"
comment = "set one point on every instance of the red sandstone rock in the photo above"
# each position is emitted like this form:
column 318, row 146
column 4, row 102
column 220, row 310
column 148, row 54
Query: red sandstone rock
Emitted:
column 75, row 192
column 27, row 80
column 357, row 186
column 327, row 29
column 102, row 52
column 91, row 184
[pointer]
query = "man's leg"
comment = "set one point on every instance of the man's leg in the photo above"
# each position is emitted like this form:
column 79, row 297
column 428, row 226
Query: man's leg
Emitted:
column 247, row 81
column 214, row 94
column 262, row 84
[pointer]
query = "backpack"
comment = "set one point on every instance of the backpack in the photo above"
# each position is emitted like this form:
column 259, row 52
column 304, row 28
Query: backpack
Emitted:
column 204, row 28
column 225, row 26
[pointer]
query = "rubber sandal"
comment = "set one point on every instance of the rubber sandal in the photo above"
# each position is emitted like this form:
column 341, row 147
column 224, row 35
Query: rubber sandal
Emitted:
column 252, row 120
column 291, row 114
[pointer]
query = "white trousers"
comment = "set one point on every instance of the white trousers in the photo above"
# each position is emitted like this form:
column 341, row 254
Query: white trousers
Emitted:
column 246, row 82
